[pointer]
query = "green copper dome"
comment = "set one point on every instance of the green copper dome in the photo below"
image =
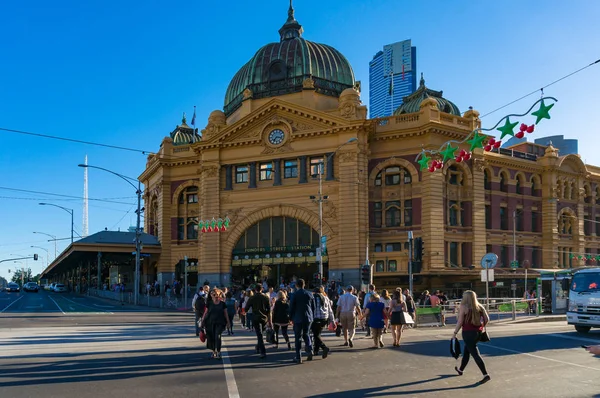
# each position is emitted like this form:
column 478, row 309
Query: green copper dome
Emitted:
column 412, row 103
column 184, row 134
column 281, row 68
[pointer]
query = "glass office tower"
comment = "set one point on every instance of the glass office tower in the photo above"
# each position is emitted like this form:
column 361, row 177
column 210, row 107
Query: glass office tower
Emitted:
column 392, row 76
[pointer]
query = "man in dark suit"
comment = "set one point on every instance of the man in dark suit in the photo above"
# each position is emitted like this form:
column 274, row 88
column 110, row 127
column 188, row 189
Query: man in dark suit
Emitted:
column 302, row 309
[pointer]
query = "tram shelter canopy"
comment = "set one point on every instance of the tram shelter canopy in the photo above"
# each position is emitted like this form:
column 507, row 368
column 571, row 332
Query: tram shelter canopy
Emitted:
column 114, row 246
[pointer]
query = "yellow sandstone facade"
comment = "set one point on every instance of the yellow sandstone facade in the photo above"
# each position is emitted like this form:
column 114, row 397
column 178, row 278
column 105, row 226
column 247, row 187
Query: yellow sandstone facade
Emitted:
column 255, row 163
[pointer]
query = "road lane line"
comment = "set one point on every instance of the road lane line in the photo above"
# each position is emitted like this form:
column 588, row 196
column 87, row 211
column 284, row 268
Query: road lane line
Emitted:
column 536, row 356
column 57, row 305
column 229, row 376
column 87, row 306
column 585, row 339
column 5, row 308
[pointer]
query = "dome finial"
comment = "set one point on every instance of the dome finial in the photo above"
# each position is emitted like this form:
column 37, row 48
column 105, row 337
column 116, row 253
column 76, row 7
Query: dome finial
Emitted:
column 291, row 29
column 291, row 12
column 422, row 81
column 183, row 119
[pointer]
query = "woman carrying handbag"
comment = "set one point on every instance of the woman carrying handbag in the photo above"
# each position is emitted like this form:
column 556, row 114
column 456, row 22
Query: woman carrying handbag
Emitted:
column 472, row 318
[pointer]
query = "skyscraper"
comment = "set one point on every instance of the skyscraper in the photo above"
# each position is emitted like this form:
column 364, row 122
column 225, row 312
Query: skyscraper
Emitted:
column 392, row 76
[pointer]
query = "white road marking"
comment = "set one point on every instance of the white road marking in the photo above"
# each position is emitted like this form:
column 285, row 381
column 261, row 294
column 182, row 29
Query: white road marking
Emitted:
column 84, row 305
column 5, row 308
column 537, row 356
column 229, row 376
column 584, row 339
column 56, row 305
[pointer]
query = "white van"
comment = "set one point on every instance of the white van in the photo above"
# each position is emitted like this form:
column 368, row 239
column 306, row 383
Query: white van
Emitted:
column 584, row 300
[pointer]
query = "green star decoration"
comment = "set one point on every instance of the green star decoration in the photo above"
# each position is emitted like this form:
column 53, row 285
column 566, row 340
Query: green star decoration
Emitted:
column 543, row 112
column 508, row 128
column 449, row 152
column 476, row 141
column 424, row 161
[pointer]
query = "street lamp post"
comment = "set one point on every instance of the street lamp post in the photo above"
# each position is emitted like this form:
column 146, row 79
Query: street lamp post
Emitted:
column 138, row 242
column 53, row 238
column 321, row 198
column 70, row 211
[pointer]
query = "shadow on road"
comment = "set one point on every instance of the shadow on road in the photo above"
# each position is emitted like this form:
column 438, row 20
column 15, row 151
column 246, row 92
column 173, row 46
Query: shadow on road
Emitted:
column 105, row 369
column 383, row 391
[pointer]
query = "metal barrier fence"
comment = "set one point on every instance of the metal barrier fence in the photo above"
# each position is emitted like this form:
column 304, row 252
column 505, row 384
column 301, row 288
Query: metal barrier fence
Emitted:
column 147, row 300
column 498, row 309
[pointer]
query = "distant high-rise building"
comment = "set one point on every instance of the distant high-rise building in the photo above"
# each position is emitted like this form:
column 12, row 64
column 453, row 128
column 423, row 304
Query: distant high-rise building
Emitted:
column 565, row 146
column 392, row 76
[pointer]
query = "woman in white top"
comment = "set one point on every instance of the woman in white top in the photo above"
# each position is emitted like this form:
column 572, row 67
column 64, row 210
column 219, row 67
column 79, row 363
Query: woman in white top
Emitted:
column 386, row 300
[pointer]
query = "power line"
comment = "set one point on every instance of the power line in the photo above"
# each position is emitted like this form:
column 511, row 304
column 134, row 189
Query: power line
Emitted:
column 62, row 195
column 541, row 89
column 76, row 141
column 54, row 137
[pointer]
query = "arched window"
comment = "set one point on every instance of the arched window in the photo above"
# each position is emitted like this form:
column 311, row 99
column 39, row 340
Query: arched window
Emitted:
column 153, row 221
column 598, row 194
column 588, row 193
column 189, row 195
column 487, row 179
column 519, row 184
column 187, row 214
column 454, row 175
column 392, row 214
column 574, row 190
column 536, row 187
column 454, row 214
column 393, row 175
column 274, row 233
column 503, row 182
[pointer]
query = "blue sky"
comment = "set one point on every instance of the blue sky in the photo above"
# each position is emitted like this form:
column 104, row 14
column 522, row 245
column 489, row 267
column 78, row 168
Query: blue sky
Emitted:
column 122, row 73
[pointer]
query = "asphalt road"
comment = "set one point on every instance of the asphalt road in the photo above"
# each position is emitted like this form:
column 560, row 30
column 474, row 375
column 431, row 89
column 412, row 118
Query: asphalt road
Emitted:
column 120, row 352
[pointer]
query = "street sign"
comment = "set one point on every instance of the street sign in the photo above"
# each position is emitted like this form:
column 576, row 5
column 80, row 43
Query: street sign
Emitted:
column 324, row 244
column 318, row 254
column 489, row 259
column 485, row 273
column 514, row 264
column 499, row 284
column 513, row 286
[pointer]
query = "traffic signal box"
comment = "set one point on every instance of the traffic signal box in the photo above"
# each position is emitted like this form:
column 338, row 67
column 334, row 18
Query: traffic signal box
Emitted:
column 366, row 274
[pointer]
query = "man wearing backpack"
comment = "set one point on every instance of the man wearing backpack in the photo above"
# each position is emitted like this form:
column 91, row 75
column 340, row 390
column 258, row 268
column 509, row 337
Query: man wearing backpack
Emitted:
column 199, row 305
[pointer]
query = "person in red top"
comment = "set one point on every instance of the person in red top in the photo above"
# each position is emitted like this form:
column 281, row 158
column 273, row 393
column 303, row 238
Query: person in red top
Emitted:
column 472, row 317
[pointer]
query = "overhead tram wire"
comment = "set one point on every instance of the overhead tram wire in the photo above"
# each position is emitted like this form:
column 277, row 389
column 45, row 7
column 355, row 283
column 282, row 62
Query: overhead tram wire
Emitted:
column 541, row 88
column 110, row 146
column 61, row 195
column 144, row 152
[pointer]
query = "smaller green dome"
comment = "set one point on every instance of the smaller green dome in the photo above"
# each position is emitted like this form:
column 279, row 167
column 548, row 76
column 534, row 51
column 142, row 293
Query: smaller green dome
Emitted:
column 412, row 103
column 184, row 134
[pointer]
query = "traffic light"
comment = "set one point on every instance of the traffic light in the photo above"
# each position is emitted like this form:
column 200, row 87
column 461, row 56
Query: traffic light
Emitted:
column 317, row 279
column 366, row 274
column 35, row 257
column 419, row 249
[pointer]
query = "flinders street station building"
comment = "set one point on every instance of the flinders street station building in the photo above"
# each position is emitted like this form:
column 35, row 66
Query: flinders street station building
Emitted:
column 240, row 198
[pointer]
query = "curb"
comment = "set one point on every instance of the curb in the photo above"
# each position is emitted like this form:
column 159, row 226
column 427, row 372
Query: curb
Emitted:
column 556, row 318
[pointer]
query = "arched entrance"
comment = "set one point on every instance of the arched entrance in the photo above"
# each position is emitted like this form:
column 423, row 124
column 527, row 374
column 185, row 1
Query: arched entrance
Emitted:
column 277, row 248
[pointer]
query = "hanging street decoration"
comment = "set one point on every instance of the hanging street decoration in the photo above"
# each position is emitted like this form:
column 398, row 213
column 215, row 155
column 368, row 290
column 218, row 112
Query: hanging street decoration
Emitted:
column 214, row 225
column 433, row 160
column 590, row 257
